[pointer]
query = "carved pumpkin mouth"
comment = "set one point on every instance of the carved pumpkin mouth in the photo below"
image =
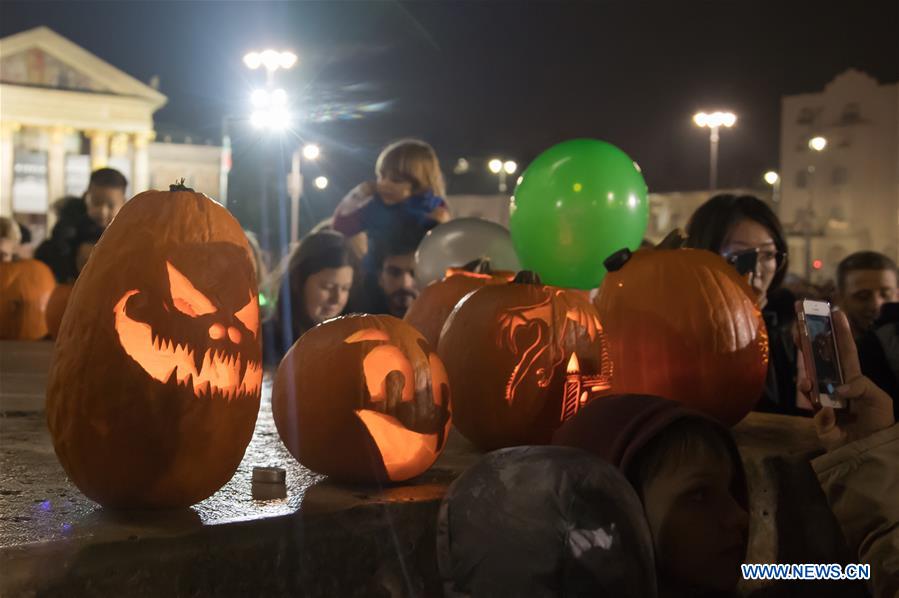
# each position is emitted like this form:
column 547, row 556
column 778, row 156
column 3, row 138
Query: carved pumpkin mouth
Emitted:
column 213, row 372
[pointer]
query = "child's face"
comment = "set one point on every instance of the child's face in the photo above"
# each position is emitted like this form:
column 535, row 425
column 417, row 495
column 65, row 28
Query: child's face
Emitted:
column 698, row 529
column 393, row 189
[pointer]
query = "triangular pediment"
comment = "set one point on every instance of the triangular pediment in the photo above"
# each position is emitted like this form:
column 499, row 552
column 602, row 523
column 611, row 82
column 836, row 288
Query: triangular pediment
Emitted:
column 41, row 57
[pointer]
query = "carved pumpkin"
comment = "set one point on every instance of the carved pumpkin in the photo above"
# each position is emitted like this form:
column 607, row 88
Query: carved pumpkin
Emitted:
column 25, row 288
column 363, row 399
column 522, row 357
column 430, row 311
column 682, row 325
column 153, row 396
column 56, row 307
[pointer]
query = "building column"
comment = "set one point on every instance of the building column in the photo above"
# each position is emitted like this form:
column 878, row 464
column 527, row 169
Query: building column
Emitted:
column 56, row 165
column 7, row 150
column 140, row 162
column 99, row 149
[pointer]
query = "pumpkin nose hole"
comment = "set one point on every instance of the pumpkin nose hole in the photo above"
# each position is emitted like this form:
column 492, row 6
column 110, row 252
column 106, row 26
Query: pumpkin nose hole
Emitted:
column 234, row 335
column 216, row 331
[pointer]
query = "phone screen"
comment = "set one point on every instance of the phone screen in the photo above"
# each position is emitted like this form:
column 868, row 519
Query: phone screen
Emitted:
column 820, row 332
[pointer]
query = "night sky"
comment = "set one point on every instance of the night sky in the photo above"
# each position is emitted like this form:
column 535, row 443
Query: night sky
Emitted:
column 483, row 78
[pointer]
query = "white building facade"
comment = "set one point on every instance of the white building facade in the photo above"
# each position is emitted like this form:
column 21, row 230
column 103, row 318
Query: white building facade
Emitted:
column 844, row 198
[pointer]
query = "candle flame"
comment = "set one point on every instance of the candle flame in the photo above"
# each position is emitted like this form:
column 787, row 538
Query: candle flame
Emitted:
column 574, row 367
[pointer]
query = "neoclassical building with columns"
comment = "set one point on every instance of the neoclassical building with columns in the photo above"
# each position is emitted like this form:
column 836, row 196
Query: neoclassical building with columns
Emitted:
column 65, row 112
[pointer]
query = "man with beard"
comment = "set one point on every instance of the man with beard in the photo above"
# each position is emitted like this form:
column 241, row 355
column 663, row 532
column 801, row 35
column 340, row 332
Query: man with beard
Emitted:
column 391, row 287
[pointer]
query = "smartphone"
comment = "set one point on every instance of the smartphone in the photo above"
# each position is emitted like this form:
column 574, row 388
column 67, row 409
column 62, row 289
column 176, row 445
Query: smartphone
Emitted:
column 819, row 352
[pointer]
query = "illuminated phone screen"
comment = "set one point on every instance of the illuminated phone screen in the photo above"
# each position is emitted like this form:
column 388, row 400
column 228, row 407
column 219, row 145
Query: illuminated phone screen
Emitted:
column 821, row 338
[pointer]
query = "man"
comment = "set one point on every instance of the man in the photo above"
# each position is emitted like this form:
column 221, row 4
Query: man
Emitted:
column 865, row 281
column 391, row 287
column 81, row 217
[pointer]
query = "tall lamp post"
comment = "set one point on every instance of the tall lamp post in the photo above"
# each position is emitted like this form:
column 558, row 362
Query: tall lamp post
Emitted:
column 311, row 152
column 773, row 179
column 817, row 144
column 714, row 122
column 502, row 169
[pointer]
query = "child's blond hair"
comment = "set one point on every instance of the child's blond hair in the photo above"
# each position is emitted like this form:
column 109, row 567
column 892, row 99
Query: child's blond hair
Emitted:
column 415, row 161
column 9, row 229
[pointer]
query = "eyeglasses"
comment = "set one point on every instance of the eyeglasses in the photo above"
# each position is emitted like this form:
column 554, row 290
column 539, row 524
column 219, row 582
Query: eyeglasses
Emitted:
column 746, row 260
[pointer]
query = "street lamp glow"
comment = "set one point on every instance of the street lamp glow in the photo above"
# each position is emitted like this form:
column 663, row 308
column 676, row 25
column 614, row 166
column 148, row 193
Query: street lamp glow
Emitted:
column 510, row 166
column 817, row 143
column 279, row 119
column 715, row 119
column 311, row 151
column 288, row 59
column 253, row 60
column 279, row 98
column 771, row 177
column 321, row 182
column 259, row 119
column 495, row 165
column 461, row 166
column 271, row 59
column 259, row 98
column 700, row 118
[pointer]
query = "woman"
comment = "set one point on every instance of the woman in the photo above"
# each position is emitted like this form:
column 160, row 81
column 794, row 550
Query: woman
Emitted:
column 744, row 230
column 312, row 286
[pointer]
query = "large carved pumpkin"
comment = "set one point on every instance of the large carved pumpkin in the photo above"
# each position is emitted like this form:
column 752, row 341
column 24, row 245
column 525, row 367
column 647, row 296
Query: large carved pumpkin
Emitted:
column 430, row 311
column 56, row 307
column 153, row 396
column 25, row 288
column 682, row 324
column 363, row 399
column 522, row 357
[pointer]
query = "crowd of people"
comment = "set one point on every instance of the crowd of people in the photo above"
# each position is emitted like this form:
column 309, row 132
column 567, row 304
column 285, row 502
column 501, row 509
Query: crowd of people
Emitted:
column 683, row 467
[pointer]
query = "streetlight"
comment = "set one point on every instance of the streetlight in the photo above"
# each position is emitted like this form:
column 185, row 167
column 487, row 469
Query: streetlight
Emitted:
column 773, row 179
column 502, row 169
column 311, row 151
column 321, row 182
column 272, row 60
column 817, row 144
column 714, row 122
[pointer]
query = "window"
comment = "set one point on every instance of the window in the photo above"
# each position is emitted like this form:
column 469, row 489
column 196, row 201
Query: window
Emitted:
column 802, row 179
column 852, row 113
column 806, row 116
column 839, row 175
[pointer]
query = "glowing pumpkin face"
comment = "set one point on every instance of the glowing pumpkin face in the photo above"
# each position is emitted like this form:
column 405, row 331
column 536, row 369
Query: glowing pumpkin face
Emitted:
column 511, row 351
column 153, row 397
column 379, row 412
column 208, row 348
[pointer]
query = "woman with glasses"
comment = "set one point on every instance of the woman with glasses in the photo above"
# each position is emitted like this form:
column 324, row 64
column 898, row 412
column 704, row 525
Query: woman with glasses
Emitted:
column 747, row 233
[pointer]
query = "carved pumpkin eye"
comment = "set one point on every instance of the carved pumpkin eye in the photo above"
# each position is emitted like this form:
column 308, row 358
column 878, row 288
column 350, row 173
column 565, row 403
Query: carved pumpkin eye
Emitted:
column 249, row 316
column 187, row 299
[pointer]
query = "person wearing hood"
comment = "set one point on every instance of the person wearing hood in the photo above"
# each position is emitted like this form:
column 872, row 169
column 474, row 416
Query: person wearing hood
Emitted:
column 687, row 472
column 543, row 521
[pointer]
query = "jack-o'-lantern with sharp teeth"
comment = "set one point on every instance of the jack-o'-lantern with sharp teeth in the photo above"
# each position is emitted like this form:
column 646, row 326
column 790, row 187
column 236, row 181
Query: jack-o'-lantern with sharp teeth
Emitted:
column 154, row 393
column 363, row 399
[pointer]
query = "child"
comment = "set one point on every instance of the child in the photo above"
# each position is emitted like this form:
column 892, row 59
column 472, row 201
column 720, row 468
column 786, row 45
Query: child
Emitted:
column 10, row 237
column 687, row 472
column 409, row 191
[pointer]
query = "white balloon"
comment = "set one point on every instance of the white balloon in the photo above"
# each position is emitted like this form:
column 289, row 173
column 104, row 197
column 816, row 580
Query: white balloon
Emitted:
column 460, row 241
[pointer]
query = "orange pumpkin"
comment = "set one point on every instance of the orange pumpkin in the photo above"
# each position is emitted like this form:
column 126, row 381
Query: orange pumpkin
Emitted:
column 379, row 411
column 154, row 393
column 430, row 311
column 522, row 357
column 682, row 324
column 25, row 288
column 56, row 307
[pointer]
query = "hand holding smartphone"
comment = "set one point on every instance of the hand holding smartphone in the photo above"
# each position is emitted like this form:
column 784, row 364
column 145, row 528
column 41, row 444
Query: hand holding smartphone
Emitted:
column 820, row 354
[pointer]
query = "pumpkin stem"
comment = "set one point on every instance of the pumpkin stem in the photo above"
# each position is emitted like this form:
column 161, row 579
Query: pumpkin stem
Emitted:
column 527, row 277
column 673, row 240
column 617, row 260
column 179, row 186
column 478, row 266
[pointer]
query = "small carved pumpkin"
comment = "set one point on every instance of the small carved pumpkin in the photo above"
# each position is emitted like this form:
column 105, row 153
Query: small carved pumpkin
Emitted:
column 363, row 399
column 25, row 288
column 430, row 311
column 56, row 307
column 153, row 396
column 682, row 325
column 522, row 357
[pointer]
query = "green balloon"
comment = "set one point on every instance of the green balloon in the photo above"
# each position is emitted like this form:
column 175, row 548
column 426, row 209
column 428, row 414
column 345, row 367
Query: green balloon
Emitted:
column 578, row 202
